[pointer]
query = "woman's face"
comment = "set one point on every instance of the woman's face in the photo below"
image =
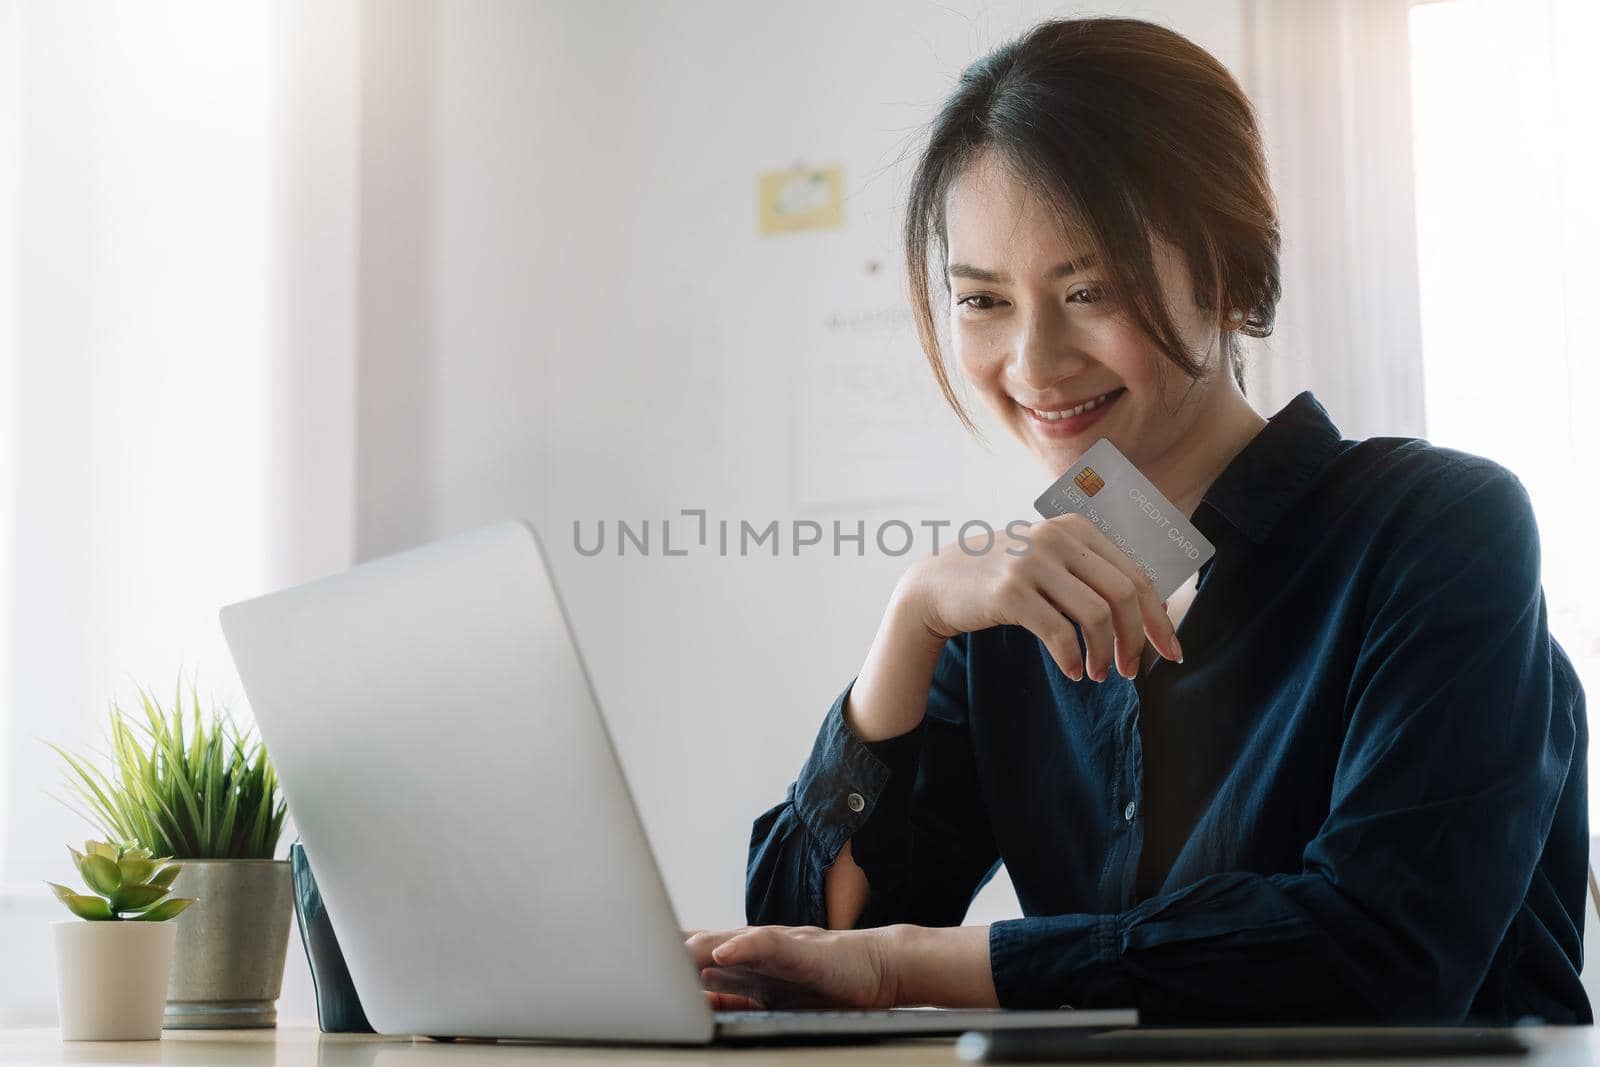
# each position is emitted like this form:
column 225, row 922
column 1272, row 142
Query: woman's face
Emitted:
column 1037, row 341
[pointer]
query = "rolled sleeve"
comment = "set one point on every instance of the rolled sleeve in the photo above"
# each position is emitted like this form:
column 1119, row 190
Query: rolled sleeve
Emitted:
column 847, row 782
column 910, row 806
column 845, row 786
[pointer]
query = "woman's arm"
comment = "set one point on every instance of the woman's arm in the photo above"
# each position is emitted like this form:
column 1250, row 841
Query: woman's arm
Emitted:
column 892, row 774
column 890, row 694
column 1062, row 570
column 908, row 806
column 888, row 699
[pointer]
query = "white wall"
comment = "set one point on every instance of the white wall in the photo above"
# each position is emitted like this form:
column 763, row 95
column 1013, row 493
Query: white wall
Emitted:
column 568, row 314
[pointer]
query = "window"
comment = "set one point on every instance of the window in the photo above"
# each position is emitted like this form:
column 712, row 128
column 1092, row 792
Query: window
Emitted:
column 135, row 383
column 1507, row 157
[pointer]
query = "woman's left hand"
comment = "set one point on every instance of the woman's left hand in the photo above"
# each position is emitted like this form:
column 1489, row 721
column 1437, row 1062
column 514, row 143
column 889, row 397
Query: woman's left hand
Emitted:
column 786, row 967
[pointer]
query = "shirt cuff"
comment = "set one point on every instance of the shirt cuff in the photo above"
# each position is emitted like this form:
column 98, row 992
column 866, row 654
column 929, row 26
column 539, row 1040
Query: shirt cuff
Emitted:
column 1058, row 961
column 846, row 781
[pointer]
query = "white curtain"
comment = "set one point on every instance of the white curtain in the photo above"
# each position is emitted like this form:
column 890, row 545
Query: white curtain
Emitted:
column 177, row 372
column 1508, row 154
column 1330, row 81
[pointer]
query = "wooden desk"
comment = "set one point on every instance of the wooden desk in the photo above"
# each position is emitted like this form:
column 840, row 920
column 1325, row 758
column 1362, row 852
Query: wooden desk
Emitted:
column 300, row 1047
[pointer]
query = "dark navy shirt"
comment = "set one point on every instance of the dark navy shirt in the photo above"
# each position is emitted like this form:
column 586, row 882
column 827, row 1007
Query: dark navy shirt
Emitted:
column 1362, row 795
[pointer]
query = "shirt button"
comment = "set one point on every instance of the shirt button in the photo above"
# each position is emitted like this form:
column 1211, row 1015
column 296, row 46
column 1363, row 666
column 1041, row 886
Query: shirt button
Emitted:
column 1127, row 812
column 856, row 801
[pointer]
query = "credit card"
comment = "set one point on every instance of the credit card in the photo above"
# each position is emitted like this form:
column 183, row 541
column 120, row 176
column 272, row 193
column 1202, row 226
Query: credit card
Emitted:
column 1108, row 489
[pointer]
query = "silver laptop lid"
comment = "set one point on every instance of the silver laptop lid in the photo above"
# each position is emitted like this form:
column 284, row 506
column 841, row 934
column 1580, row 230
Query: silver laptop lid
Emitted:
column 460, row 800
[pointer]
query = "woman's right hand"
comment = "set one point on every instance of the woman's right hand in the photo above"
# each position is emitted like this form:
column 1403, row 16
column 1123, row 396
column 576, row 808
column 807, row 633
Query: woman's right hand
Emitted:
column 1062, row 570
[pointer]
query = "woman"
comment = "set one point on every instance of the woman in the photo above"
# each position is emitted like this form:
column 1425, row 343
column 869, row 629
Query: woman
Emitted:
column 1353, row 790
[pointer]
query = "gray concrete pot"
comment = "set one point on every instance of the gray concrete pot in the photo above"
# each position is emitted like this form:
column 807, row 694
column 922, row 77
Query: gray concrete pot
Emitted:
column 227, row 971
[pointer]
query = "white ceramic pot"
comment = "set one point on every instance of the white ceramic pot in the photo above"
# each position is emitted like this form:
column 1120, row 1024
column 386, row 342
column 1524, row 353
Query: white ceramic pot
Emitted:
column 111, row 978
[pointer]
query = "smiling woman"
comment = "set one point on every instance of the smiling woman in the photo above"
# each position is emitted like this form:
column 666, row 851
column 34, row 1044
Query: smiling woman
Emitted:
column 1359, row 796
column 1095, row 201
column 1046, row 341
column 1121, row 132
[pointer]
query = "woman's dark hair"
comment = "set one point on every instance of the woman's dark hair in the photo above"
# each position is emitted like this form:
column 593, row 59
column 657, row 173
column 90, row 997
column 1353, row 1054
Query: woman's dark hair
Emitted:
column 1124, row 129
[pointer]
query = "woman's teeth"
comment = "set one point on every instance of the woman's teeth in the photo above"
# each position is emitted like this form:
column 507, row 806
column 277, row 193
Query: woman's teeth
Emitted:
column 1087, row 405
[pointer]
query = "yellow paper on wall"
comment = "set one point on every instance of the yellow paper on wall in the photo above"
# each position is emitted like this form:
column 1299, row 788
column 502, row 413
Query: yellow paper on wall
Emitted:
column 805, row 198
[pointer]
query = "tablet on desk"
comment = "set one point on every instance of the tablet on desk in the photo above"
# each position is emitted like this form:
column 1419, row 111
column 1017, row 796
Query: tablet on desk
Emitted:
column 1242, row 1043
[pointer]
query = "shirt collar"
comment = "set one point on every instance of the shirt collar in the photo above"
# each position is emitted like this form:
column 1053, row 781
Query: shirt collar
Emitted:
column 1275, row 469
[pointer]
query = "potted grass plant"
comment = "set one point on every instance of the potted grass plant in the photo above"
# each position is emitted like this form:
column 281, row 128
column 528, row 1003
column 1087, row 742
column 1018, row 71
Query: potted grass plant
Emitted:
column 207, row 795
column 112, row 966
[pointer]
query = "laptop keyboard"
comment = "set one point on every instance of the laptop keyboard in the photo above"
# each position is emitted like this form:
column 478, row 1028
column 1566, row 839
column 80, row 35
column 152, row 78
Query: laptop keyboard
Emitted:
column 816, row 1013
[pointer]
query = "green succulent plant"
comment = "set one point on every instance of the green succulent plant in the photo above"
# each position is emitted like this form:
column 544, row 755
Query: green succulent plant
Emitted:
column 210, row 793
column 127, row 883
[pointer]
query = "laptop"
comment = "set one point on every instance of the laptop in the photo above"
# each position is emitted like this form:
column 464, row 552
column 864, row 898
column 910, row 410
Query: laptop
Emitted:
column 473, row 837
